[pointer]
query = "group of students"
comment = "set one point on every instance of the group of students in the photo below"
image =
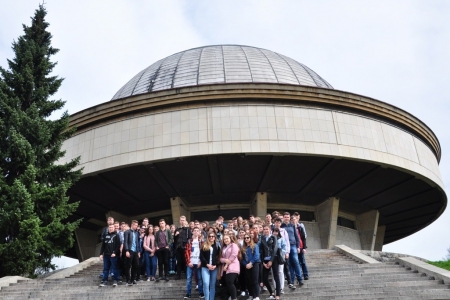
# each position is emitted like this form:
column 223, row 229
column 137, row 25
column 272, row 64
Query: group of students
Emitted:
column 239, row 254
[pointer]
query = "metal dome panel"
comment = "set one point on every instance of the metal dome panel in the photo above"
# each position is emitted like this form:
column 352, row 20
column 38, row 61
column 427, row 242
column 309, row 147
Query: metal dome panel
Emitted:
column 220, row 65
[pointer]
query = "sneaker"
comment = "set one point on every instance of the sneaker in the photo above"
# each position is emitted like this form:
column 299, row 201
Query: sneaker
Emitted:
column 134, row 282
column 250, row 298
column 271, row 297
column 306, row 278
column 300, row 283
column 202, row 296
column 196, row 287
column 281, row 291
column 157, row 279
column 115, row 283
column 129, row 283
column 166, row 278
column 265, row 289
column 100, row 276
column 187, row 296
column 148, row 279
column 291, row 286
column 243, row 294
column 103, row 283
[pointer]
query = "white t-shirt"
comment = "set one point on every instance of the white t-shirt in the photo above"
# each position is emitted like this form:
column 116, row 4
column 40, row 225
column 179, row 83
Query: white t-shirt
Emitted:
column 195, row 252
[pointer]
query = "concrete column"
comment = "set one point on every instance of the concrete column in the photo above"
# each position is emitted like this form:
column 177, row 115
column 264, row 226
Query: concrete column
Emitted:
column 87, row 242
column 259, row 205
column 379, row 240
column 327, row 214
column 367, row 227
column 179, row 208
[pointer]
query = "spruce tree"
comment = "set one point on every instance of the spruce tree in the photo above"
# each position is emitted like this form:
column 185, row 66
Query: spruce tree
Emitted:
column 34, row 206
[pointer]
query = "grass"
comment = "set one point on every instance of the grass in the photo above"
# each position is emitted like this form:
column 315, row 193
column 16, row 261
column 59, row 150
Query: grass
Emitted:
column 445, row 264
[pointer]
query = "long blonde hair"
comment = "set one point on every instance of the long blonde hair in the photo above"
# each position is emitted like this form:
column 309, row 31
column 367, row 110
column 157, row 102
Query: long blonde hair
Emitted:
column 207, row 244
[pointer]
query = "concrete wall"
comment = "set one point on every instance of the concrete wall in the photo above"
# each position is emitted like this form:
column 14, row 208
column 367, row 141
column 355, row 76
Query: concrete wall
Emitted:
column 348, row 237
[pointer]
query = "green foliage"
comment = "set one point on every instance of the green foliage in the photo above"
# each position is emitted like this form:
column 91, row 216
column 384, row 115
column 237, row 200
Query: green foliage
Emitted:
column 34, row 207
column 444, row 264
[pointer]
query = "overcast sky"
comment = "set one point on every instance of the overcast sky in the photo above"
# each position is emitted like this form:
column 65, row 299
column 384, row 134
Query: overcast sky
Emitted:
column 394, row 51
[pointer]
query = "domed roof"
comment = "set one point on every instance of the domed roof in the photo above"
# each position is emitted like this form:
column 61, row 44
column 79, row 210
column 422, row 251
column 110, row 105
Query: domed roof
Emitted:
column 220, row 64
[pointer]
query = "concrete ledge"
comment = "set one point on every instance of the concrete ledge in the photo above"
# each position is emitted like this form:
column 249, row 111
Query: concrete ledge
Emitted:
column 7, row 280
column 74, row 269
column 356, row 255
column 424, row 267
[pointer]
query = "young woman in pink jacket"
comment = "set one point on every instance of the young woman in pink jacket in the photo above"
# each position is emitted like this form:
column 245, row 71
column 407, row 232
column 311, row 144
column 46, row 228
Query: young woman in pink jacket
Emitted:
column 149, row 254
column 229, row 257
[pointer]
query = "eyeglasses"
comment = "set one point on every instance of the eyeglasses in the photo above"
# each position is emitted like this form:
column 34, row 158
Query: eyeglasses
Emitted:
column 211, row 236
column 247, row 238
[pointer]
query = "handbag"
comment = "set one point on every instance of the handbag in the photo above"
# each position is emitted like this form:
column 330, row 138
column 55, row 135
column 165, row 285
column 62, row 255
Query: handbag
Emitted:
column 281, row 258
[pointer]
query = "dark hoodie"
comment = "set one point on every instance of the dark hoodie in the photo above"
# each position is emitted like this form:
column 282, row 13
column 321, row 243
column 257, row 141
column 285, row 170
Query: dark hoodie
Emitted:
column 111, row 244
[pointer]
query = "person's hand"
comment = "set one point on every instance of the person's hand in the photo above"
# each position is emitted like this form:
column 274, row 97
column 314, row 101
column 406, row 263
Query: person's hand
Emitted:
column 249, row 266
column 127, row 254
column 139, row 255
column 199, row 265
column 298, row 250
column 287, row 255
column 227, row 261
column 269, row 264
column 177, row 233
column 113, row 255
column 101, row 257
column 190, row 265
column 304, row 250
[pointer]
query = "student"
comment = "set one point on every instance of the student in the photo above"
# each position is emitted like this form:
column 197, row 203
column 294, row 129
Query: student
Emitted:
column 250, row 265
column 229, row 258
column 132, row 253
column 109, row 253
column 282, row 249
column 149, row 254
column 294, row 242
column 193, row 262
column 268, row 247
column 163, row 239
column 181, row 236
column 209, row 255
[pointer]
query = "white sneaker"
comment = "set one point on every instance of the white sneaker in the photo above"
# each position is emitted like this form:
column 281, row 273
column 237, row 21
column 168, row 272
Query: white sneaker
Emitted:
column 281, row 291
column 250, row 298
column 265, row 289
column 196, row 287
column 243, row 294
column 270, row 297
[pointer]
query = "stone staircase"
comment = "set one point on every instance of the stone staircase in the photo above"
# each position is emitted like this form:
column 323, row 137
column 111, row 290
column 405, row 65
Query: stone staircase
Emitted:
column 332, row 276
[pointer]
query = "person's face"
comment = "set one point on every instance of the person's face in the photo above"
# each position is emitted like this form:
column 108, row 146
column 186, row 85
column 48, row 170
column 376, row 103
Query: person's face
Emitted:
column 116, row 227
column 110, row 221
column 204, row 225
column 226, row 230
column 172, row 228
column 145, row 223
column 196, row 232
column 156, row 228
column 150, row 229
column 247, row 239
column 260, row 229
column 197, row 224
column 111, row 228
column 182, row 222
column 167, row 227
column 162, row 225
column 252, row 219
column 266, row 231
column 286, row 218
column 231, row 225
column 142, row 231
column 247, row 227
column 226, row 240
column 240, row 219
column 122, row 227
column 252, row 234
column 277, row 224
column 220, row 226
column 235, row 223
column 134, row 226
column 191, row 225
column 211, row 237
column 268, row 218
column 241, row 234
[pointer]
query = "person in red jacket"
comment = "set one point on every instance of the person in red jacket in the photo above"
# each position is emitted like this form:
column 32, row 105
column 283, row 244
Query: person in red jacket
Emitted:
column 193, row 263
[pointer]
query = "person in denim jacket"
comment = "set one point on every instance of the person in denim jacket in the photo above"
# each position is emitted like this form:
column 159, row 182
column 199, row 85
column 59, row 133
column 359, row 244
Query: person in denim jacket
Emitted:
column 251, row 261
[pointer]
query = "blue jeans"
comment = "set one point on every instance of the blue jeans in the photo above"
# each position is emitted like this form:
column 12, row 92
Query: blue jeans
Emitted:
column 189, row 272
column 172, row 264
column 294, row 265
column 110, row 263
column 302, row 261
column 150, row 264
column 209, row 279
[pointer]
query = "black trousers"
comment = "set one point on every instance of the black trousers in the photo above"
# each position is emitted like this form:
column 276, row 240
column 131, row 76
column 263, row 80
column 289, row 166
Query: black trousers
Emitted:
column 163, row 261
column 181, row 260
column 275, row 275
column 230, row 279
column 252, row 276
column 132, row 266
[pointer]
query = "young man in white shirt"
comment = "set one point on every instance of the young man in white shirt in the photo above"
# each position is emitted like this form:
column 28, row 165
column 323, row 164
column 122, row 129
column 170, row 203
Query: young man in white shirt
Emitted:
column 193, row 264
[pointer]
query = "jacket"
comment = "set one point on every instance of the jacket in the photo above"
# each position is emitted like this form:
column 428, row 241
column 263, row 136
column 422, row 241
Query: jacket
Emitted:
column 128, row 240
column 251, row 256
column 149, row 244
column 184, row 235
column 206, row 254
column 169, row 237
column 111, row 244
column 293, row 235
column 231, row 253
column 188, row 252
column 302, row 234
column 268, row 249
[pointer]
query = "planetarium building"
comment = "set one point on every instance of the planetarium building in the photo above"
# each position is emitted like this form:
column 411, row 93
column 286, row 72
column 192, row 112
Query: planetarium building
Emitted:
column 238, row 130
